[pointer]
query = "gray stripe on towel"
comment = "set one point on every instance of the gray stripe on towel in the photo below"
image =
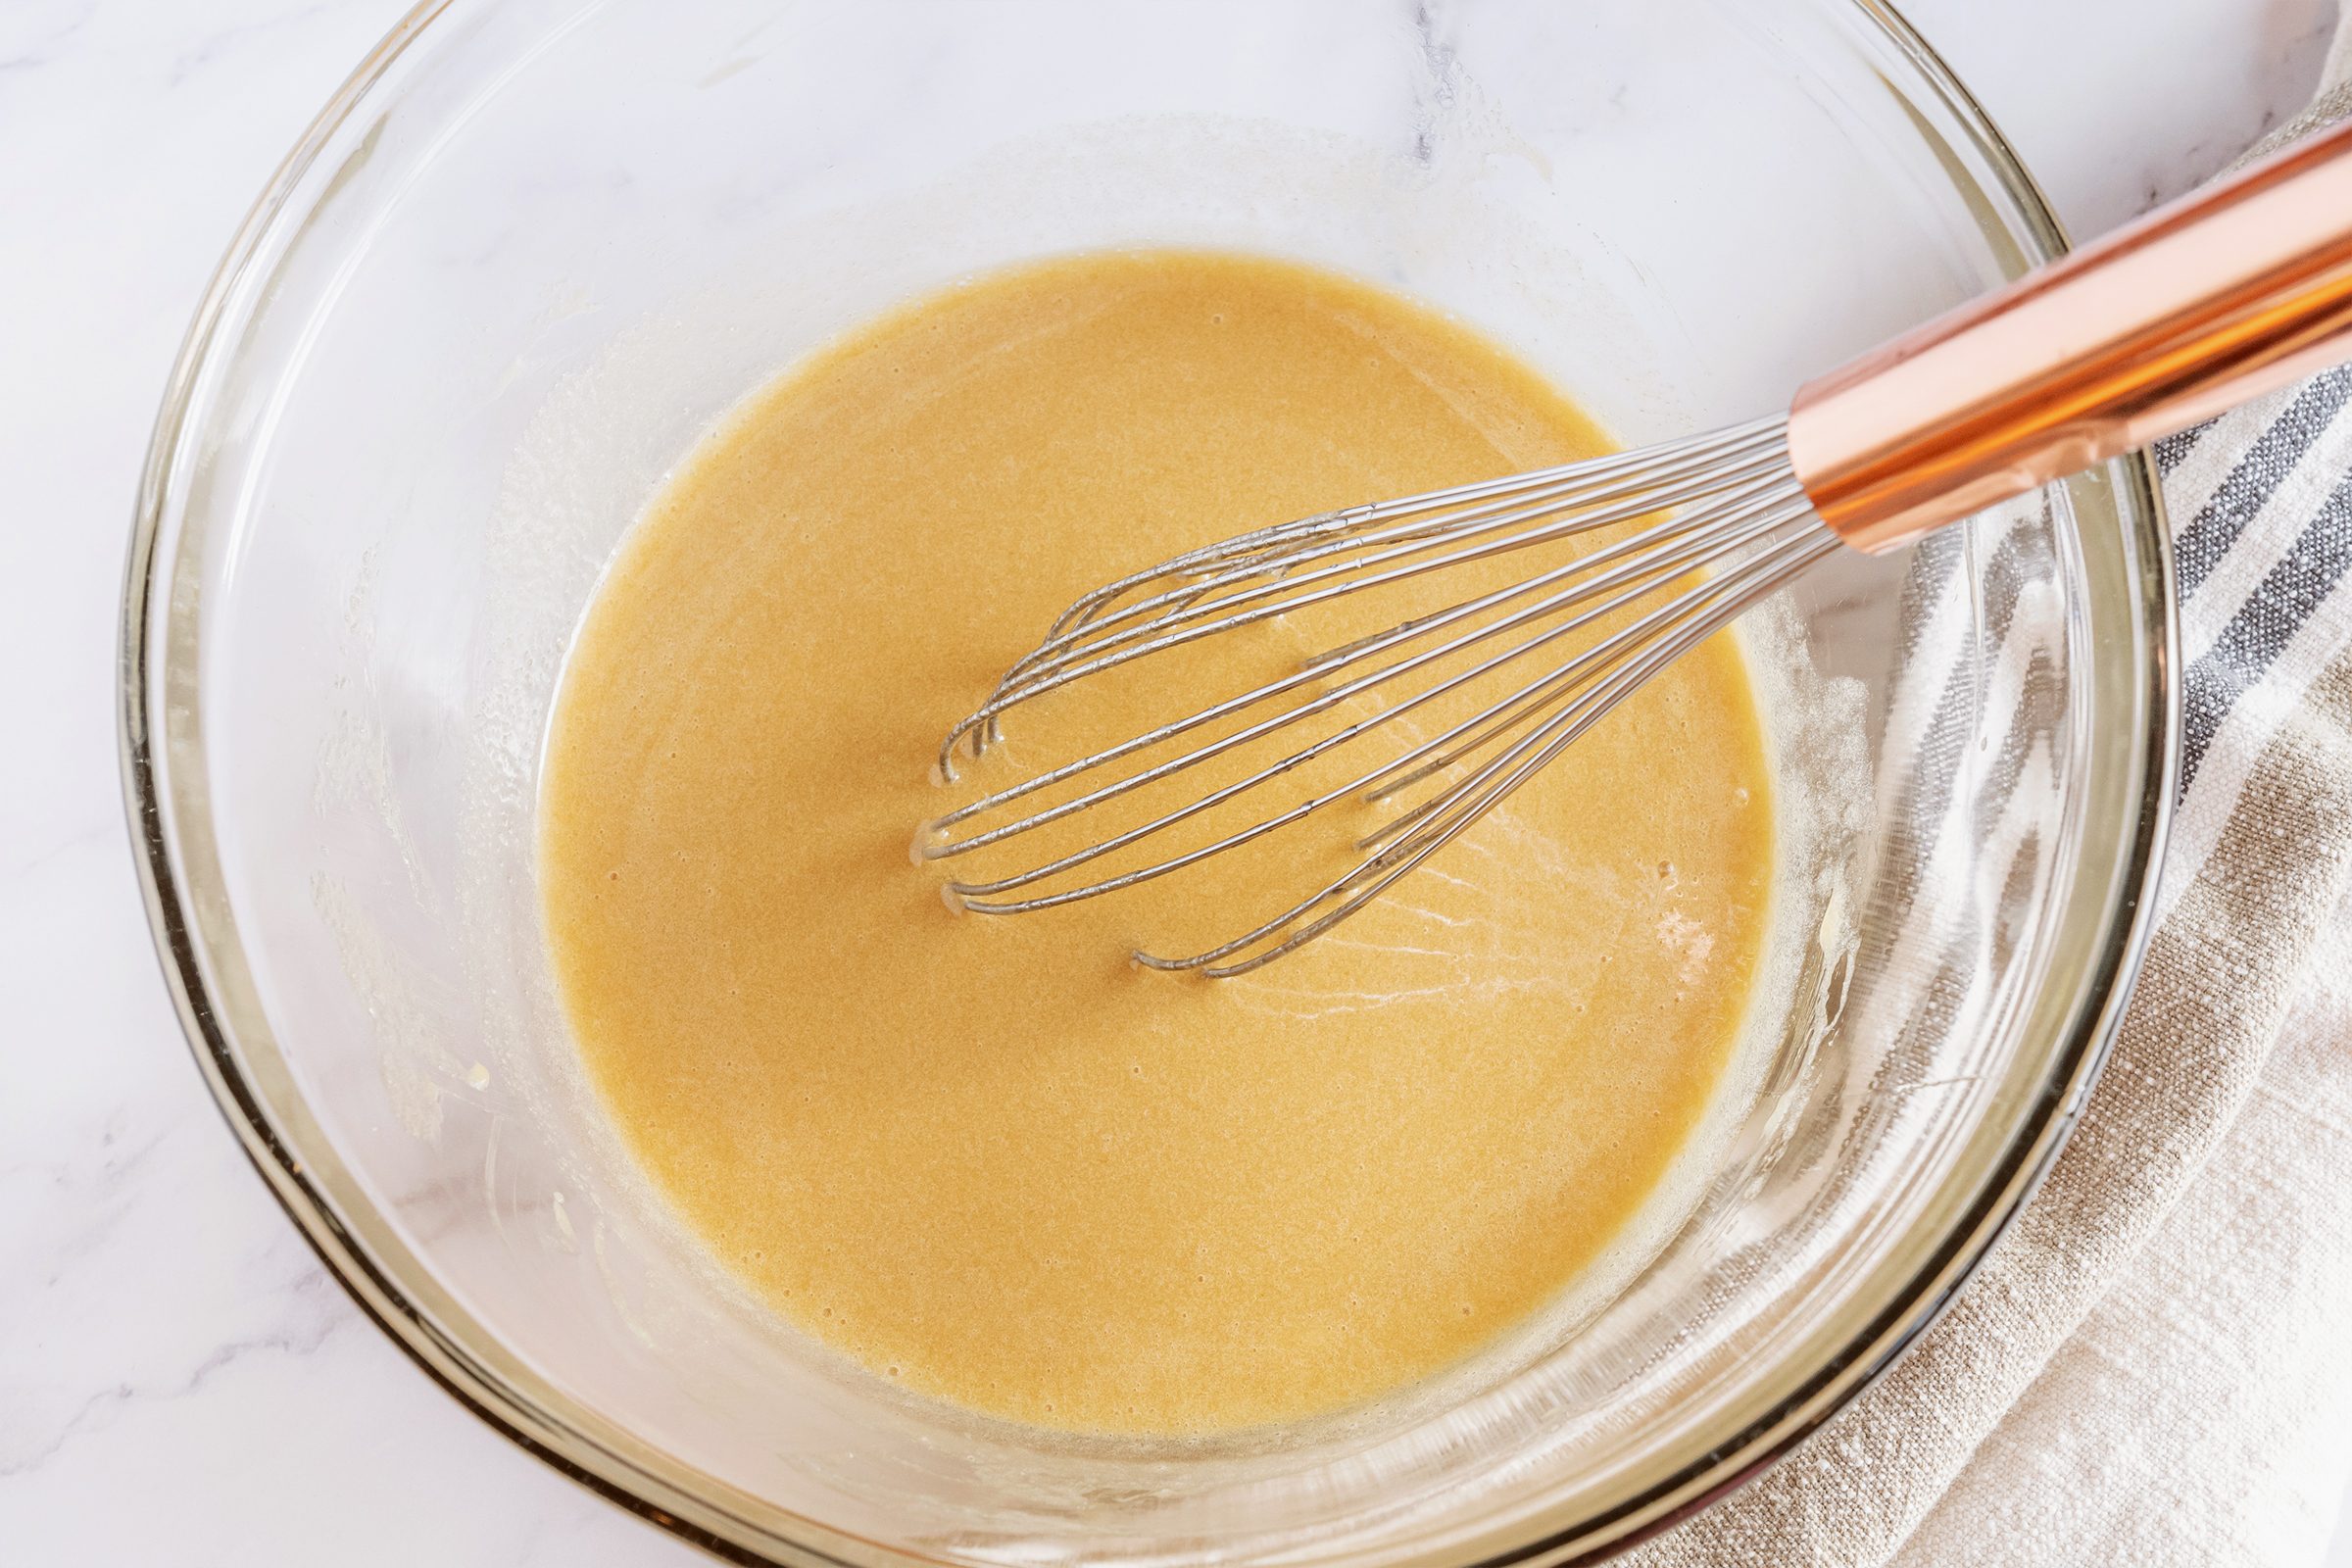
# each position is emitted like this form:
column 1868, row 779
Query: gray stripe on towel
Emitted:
column 2198, row 546
column 2264, row 625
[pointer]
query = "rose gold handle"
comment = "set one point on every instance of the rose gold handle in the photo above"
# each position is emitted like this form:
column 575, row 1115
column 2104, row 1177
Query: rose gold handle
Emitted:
column 2194, row 308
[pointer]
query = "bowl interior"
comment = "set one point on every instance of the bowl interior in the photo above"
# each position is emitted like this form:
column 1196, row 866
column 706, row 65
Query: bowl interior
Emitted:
column 539, row 248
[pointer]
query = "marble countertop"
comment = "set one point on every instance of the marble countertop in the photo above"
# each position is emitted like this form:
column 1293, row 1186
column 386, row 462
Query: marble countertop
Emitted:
column 180, row 1381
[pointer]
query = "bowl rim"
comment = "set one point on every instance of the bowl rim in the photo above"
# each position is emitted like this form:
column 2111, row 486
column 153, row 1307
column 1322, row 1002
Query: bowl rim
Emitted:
column 702, row 1520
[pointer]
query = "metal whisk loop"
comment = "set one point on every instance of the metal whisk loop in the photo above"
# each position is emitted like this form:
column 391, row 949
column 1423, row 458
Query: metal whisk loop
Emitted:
column 1719, row 521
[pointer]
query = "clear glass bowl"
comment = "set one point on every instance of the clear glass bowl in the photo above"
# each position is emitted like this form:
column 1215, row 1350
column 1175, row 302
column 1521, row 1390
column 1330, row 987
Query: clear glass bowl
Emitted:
column 533, row 250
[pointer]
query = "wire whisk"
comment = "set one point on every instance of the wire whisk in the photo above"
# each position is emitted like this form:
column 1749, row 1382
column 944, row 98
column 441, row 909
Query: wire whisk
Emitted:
column 1634, row 558
column 1739, row 506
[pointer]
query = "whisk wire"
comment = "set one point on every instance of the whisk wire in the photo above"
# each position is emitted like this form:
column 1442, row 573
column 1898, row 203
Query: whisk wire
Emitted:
column 1718, row 523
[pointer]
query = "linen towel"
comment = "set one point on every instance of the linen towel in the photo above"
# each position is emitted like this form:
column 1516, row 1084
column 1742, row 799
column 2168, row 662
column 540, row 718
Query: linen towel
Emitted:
column 2154, row 1365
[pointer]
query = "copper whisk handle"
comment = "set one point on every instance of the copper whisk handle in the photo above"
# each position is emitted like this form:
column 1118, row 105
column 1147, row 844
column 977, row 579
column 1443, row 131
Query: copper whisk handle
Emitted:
column 2199, row 306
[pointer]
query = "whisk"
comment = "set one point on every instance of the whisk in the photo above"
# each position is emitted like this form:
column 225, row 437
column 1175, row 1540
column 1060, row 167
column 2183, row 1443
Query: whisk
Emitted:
column 2198, row 307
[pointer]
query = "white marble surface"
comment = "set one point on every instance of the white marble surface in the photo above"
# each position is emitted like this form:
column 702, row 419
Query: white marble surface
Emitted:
column 179, row 1384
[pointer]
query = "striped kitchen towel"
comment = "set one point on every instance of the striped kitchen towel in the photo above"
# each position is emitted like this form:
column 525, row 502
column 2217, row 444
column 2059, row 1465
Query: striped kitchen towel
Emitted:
column 2152, row 1365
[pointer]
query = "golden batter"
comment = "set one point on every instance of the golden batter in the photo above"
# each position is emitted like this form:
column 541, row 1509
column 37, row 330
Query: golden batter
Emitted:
column 987, row 1156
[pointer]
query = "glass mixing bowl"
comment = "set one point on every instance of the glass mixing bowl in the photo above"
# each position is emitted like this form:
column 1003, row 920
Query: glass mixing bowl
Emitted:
column 534, row 249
